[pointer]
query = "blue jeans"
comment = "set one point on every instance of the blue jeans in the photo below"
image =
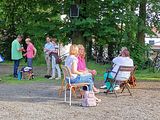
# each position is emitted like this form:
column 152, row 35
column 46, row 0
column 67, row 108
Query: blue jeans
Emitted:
column 86, row 78
column 16, row 65
column 29, row 62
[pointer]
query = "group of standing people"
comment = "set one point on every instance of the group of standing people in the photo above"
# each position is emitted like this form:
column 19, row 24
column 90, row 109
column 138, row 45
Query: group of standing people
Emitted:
column 51, row 55
column 17, row 50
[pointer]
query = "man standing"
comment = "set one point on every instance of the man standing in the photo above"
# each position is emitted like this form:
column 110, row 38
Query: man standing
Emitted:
column 47, row 48
column 16, row 54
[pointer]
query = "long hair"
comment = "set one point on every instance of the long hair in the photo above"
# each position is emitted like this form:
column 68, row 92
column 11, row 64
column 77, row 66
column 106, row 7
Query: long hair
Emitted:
column 81, row 47
column 73, row 50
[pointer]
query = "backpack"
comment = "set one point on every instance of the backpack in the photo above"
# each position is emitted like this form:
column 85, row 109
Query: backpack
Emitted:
column 89, row 99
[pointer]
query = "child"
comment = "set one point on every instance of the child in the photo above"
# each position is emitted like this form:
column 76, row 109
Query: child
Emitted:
column 54, row 56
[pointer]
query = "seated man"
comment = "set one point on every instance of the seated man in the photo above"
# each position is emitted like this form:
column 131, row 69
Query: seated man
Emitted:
column 122, row 60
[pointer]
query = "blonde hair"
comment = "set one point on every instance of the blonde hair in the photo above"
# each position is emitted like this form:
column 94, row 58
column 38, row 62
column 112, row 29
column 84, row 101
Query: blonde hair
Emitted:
column 73, row 50
column 28, row 40
column 80, row 46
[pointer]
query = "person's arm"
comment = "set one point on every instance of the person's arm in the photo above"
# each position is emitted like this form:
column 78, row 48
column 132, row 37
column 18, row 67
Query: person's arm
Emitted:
column 35, row 51
column 45, row 49
column 18, row 48
column 74, row 68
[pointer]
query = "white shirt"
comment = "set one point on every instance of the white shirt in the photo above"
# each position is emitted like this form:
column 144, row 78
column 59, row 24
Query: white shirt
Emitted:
column 69, row 62
column 121, row 61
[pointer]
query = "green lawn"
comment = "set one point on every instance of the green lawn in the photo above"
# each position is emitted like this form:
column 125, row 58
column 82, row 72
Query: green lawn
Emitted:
column 140, row 75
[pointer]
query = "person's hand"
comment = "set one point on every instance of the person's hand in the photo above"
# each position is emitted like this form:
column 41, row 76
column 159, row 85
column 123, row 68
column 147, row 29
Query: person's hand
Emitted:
column 94, row 72
column 84, row 72
column 21, row 49
column 49, row 52
column 80, row 73
column 45, row 49
column 24, row 50
column 24, row 54
column 34, row 56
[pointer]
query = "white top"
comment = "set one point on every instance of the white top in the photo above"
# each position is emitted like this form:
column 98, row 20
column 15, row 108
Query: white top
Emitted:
column 69, row 62
column 121, row 61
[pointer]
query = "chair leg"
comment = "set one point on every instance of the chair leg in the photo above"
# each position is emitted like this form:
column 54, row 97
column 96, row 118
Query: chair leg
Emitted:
column 65, row 92
column 128, row 88
column 70, row 96
column 123, row 89
column 61, row 89
column 115, row 93
column 74, row 92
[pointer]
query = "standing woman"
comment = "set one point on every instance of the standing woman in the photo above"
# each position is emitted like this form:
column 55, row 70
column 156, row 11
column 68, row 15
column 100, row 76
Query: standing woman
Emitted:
column 54, row 56
column 30, row 52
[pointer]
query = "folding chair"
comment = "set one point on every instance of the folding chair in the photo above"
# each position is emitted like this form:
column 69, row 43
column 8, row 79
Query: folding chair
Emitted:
column 124, row 83
column 69, row 85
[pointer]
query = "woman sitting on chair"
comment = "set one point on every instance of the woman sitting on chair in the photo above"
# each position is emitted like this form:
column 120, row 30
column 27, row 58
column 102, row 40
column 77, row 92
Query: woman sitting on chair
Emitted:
column 81, row 67
column 122, row 60
column 78, row 76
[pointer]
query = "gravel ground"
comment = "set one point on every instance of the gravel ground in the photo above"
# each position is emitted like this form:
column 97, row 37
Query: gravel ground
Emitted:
column 39, row 101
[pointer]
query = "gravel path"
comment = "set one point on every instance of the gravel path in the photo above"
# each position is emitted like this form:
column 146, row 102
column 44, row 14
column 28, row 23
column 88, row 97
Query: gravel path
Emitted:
column 39, row 101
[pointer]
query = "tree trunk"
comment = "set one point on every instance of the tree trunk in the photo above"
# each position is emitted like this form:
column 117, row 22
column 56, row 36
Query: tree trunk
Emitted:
column 142, row 22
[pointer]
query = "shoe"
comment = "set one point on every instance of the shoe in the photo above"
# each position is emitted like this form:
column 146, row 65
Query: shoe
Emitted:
column 52, row 78
column 117, row 87
column 47, row 76
column 58, row 78
column 103, row 87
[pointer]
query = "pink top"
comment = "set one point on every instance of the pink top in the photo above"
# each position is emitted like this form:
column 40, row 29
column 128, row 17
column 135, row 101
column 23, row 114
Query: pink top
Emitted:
column 30, row 50
column 81, row 64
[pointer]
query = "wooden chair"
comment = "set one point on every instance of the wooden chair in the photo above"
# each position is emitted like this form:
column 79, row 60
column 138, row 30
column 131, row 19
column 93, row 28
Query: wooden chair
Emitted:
column 124, row 83
column 68, row 85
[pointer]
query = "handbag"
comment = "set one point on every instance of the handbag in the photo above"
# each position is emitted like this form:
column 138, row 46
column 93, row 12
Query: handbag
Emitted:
column 89, row 99
column 58, row 60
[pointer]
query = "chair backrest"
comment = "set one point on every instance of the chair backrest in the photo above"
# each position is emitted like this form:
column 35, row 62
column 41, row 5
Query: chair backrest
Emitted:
column 66, row 73
column 126, row 69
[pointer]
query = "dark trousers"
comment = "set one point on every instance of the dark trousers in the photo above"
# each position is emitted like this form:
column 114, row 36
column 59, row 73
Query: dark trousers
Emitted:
column 16, row 65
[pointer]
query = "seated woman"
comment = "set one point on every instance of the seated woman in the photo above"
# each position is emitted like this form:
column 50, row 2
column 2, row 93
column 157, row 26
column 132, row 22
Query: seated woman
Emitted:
column 122, row 60
column 77, row 76
column 81, row 67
